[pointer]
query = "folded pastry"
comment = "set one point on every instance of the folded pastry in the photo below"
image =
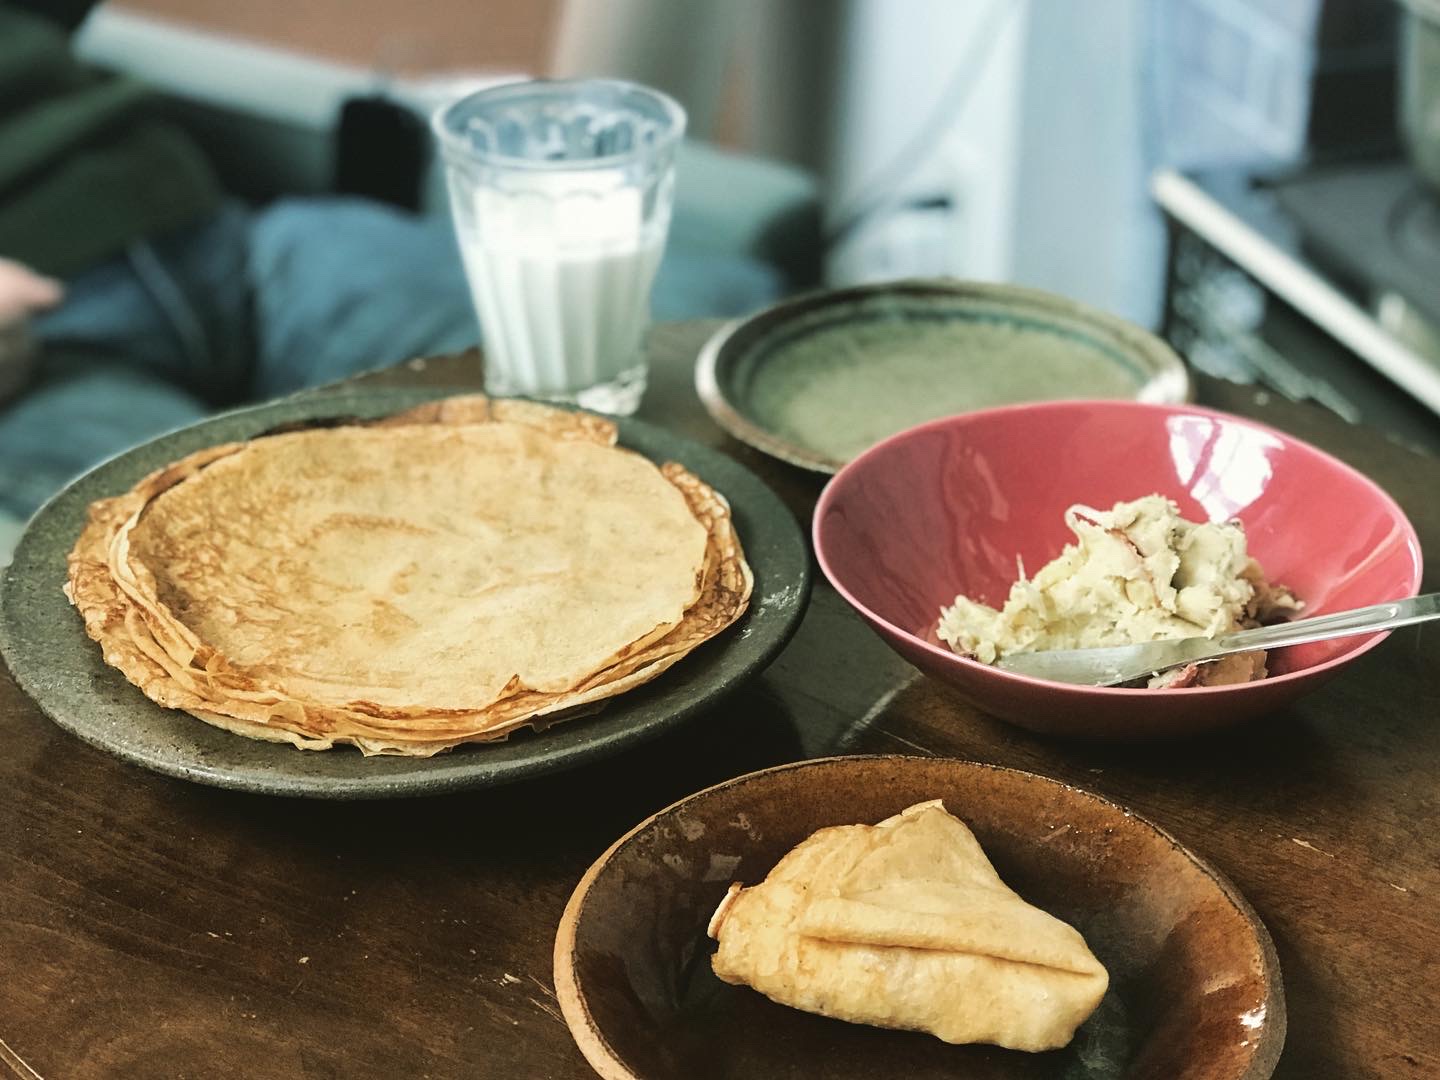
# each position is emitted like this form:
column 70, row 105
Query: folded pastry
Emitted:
column 905, row 924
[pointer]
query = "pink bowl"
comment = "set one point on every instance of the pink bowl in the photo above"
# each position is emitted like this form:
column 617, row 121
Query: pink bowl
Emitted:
column 945, row 508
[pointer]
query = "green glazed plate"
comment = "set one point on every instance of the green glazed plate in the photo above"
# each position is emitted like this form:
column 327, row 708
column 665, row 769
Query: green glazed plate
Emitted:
column 817, row 379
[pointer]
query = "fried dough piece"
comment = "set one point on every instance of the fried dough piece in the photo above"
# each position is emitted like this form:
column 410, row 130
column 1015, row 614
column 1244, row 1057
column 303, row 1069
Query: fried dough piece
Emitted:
column 905, row 924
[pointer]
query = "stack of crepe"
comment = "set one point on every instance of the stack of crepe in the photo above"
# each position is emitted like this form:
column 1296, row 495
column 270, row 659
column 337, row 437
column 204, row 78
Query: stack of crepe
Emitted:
column 905, row 924
column 444, row 576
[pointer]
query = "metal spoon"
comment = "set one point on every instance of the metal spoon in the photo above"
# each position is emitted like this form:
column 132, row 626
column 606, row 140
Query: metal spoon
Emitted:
column 1122, row 663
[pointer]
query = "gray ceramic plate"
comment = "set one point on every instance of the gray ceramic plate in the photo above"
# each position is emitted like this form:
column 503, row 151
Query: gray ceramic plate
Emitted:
column 53, row 660
column 1195, row 991
column 819, row 378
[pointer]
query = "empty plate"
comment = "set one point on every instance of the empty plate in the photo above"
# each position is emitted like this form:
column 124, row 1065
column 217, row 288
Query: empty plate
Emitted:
column 817, row 379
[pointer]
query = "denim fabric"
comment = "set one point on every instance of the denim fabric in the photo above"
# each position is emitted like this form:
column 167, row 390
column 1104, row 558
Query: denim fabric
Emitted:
column 253, row 304
column 347, row 285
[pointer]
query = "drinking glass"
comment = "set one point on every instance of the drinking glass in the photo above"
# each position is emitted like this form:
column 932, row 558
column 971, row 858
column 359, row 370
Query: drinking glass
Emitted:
column 561, row 193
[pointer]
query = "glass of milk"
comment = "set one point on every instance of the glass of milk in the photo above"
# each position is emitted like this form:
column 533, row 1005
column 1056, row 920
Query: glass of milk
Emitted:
column 561, row 193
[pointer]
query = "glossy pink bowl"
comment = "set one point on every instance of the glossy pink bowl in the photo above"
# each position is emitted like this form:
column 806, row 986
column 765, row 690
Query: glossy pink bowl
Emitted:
column 945, row 508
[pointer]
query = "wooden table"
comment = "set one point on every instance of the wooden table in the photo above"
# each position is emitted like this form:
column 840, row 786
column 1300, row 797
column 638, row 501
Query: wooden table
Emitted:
column 153, row 928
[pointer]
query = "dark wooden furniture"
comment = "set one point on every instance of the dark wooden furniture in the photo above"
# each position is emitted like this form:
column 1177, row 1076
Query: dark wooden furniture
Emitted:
column 153, row 928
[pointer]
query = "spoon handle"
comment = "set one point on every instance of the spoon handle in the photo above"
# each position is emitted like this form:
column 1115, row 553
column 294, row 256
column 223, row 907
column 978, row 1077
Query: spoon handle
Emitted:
column 1363, row 620
column 1124, row 663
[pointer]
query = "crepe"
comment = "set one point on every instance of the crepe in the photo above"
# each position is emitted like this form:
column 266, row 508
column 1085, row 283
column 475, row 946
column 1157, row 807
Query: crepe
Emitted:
column 905, row 924
column 443, row 576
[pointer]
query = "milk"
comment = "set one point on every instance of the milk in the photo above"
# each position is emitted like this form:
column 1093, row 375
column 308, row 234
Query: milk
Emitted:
column 561, row 192
column 560, row 267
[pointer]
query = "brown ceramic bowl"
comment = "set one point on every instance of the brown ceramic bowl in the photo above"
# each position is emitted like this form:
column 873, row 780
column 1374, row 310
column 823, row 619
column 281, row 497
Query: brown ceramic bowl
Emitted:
column 1195, row 989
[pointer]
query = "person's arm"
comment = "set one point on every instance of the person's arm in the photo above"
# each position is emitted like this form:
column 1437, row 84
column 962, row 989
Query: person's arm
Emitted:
column 69, row 14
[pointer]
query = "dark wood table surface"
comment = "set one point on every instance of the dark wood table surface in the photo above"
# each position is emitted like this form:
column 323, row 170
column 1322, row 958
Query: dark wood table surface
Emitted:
column 154, row 928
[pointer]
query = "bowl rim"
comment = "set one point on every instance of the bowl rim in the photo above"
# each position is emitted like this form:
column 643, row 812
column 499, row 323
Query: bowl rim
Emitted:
column 596, row 1049
column 829, row 495
column 1170, row 377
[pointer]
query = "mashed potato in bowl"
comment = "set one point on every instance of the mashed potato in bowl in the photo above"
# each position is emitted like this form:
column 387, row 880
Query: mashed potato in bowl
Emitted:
column 1137, row 572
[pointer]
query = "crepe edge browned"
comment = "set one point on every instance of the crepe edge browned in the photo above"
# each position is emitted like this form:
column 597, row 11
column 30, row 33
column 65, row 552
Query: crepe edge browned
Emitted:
column 206, row 673
column 723, row 596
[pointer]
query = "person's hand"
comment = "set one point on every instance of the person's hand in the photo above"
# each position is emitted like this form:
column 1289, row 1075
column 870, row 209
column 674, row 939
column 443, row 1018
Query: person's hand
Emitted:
column 22, row 293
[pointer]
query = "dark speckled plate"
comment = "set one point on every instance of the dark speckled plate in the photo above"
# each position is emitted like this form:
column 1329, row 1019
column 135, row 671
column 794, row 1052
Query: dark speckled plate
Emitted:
column 52, row 659
column 1195, row 990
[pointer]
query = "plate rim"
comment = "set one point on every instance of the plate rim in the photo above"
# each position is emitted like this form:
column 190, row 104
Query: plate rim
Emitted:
column 1172, row 380
column 591, row 1041
column 318, row 403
